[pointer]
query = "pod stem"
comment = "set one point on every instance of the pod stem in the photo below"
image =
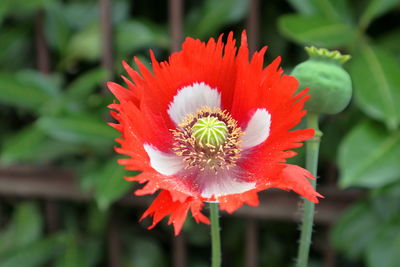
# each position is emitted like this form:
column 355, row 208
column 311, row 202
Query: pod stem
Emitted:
column 312, row 151
column 215, row 236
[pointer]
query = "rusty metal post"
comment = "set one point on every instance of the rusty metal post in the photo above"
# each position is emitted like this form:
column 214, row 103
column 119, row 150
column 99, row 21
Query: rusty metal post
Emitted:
column 113, row 242
column 251, row 253
column 42, row 51
column 175, row 18
column 179, row 248
column 51, row 212
column 175, row 9
column 107, row 55
column 329, row 253
column 253, row 28
column 253, row 25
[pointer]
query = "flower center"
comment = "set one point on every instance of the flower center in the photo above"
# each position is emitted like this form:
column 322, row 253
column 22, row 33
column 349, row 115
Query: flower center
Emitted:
column 210, row 131
column 208, row 139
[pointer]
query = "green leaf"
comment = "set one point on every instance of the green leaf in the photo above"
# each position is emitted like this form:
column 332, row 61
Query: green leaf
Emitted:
column 376, row 79
column 376, row 8
column 143, row 252
column 14, row 47
column 85, row 45
column 25, row 7
column 369, row 156
column 316, row 30
column 110, row 184
column 47, row 84
column 32, row 145
column 389, row 41
column 34, row 254
column 304, row 7
column 213, row 15
column 97, row 220
column 334, row 129
column 79, row 14
column 383, row 250
column 85, row 84
column 57, row 30
column 79, row 252
column 78, row 129
column 27, row 89
column 335, row 10
column 25, row 228
column 5, row 7
column 23, row 146
column 354, row 230
column 134, row 34
column 72, row 256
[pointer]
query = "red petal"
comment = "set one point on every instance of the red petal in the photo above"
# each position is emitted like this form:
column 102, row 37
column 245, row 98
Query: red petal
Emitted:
column 231, row 203
column 164, row 205
column 294, row 178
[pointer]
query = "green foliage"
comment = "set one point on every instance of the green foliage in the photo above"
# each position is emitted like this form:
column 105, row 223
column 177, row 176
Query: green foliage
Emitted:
column 38, row 253
column 376, row 8
column 26, row 228
column 78, row 129
column 369, row 150
column 212, row 15
column 22, row 239
column 26, row 89
column 109, row 183
column 143, row 252
column 368, row 156
column 375, row 73
column 370, row 229
column 316, row 30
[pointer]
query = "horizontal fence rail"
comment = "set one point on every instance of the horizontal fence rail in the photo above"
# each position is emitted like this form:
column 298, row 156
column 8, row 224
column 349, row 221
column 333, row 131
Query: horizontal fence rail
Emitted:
column 55, row 184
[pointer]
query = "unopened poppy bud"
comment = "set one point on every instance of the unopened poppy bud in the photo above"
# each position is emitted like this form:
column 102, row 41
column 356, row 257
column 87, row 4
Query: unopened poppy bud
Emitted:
column 329, row 84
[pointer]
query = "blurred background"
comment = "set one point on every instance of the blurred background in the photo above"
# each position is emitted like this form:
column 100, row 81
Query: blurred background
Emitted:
column 63, row 201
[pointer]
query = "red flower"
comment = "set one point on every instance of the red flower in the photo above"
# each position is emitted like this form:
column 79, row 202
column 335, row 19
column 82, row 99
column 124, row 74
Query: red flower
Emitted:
column 208, row 125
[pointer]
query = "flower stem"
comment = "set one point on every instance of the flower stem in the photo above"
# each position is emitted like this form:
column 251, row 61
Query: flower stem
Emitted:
column 312, row 150
column 215, row 236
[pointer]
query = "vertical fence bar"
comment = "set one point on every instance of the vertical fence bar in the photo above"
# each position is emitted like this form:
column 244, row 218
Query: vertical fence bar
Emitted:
column 253, row 28
column 113, row 243
column 328, row 253
column 251, row 253
column 107, row 55
column 51, row 212
column 51, row 216
column 107, row 62
column 175, row 20
column 175, row 10
column 253, row 24
column 42, row 51
column 179, row 248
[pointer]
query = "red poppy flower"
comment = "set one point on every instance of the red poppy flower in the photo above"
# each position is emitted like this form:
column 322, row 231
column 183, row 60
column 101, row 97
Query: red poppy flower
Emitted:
column 210, row 125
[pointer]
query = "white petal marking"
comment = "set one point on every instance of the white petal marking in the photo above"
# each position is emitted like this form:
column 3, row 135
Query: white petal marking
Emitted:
column 225, row 182
column 257, row 130
column 164, row 163
column 191, row 98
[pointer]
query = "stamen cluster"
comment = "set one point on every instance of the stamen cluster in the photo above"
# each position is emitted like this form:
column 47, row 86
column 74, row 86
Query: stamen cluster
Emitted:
column 205, row 151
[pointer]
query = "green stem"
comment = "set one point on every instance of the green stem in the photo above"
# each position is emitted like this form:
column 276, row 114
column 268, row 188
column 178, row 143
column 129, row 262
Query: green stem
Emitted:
column 312, row 147
column 215, row 238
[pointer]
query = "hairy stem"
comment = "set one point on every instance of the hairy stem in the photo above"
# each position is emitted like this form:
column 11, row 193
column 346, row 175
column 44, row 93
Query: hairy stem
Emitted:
column 312, row 150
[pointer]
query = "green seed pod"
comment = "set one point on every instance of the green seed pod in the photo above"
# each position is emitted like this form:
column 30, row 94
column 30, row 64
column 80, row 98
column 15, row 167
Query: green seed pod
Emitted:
column 210, row 131
column 329, row 84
